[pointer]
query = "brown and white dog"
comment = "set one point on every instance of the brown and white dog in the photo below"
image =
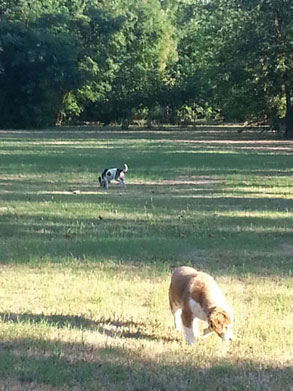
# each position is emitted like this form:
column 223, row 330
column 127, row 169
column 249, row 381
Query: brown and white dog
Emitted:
column 195, row 295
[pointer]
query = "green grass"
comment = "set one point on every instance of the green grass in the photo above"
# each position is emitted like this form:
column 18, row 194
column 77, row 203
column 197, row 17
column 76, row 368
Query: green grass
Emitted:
column 84, row 273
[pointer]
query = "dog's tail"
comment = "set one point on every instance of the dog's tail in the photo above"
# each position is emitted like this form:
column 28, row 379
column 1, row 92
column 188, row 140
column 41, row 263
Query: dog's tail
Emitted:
column 125, row 167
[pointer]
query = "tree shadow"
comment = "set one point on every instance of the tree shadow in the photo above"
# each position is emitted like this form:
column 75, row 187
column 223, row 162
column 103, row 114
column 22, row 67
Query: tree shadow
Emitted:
column 109, row 327
column 198, row 239
column 82, row 366
column 57, row 321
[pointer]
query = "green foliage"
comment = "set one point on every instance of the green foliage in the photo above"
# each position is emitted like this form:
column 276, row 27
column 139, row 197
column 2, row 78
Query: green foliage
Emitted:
column 247, row 57
column 97, row 33
column 37, row 68
column 111, row 61
column 146, row 48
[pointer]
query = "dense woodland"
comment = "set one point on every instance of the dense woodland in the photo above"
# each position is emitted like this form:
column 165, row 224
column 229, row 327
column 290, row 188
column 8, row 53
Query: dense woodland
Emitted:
column 158, row 61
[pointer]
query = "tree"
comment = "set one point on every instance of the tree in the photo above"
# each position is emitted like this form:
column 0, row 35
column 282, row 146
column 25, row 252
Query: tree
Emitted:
column 36, row 69
column 247, row 57
column 146, row 48
column 51, row 64
column 104, row 60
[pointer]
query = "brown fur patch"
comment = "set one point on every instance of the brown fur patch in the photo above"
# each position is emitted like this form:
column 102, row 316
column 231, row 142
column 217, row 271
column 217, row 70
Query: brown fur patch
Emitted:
column 219, row 318
column 187, row 317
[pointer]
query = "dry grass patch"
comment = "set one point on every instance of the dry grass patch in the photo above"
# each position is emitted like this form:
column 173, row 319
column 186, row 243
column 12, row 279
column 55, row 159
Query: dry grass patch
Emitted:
column 110, row 327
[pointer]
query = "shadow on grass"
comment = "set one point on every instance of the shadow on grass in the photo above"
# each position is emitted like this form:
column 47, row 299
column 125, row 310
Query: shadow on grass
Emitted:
column 208, row 241
column 84, row 366
column 199, row 189
column 40, row 171
column 147, row 163
column 108, row 327
column 58, row 321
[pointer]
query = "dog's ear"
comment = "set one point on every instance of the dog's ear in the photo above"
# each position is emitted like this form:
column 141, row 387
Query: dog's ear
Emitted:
column 218, row 319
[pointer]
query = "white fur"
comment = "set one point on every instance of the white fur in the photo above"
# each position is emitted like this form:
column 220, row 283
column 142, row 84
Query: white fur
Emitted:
column 229, row 334
column 189, row 336
column 195, row 328
column 178, row 320
column 197, row 309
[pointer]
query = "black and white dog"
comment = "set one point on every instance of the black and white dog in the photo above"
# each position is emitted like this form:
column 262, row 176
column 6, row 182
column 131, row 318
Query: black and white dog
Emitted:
column 110, row 174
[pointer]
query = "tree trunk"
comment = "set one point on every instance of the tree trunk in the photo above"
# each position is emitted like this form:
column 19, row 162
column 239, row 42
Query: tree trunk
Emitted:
column 59, row 118
column 125, row 124
column 149, row 119
column 289, row 124
column 284, row 50
column 289, row 114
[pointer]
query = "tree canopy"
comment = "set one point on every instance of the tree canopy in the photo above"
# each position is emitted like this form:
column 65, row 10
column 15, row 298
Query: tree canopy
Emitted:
column 166, row 60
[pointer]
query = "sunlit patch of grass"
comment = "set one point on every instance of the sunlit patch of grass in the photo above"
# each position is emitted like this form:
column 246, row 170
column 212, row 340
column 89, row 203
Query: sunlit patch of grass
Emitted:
column 61, row 319
column 85, row 272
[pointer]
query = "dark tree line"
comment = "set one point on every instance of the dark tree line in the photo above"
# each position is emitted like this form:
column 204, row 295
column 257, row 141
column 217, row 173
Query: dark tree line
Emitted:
column 173, row 61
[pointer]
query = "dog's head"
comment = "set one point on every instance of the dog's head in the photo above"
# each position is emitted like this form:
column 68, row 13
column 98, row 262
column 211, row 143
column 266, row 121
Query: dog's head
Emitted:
column 221, row 322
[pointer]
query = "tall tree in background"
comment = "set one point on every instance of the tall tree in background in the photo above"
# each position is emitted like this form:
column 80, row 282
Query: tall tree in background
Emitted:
column 36, row 67
column 247, row 57
column 98, row 34
column 146, row 48
column 189, row 87
column 52, row 60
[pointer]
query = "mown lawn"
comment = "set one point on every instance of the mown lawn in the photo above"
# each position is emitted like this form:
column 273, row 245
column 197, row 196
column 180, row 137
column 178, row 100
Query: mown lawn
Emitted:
column 84, row 272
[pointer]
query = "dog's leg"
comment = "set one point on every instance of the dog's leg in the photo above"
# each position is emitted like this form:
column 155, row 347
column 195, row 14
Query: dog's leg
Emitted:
column 178, row 320
column 188, row 333
column 121, row 181
column 195, row 327
column 187, row 320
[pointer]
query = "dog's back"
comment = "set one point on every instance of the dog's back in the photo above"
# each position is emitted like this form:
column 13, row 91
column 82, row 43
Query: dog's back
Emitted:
column 187, row 282
column 180, row 284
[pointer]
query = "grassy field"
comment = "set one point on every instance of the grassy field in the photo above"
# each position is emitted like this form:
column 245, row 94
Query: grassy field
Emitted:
column 84, row 272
